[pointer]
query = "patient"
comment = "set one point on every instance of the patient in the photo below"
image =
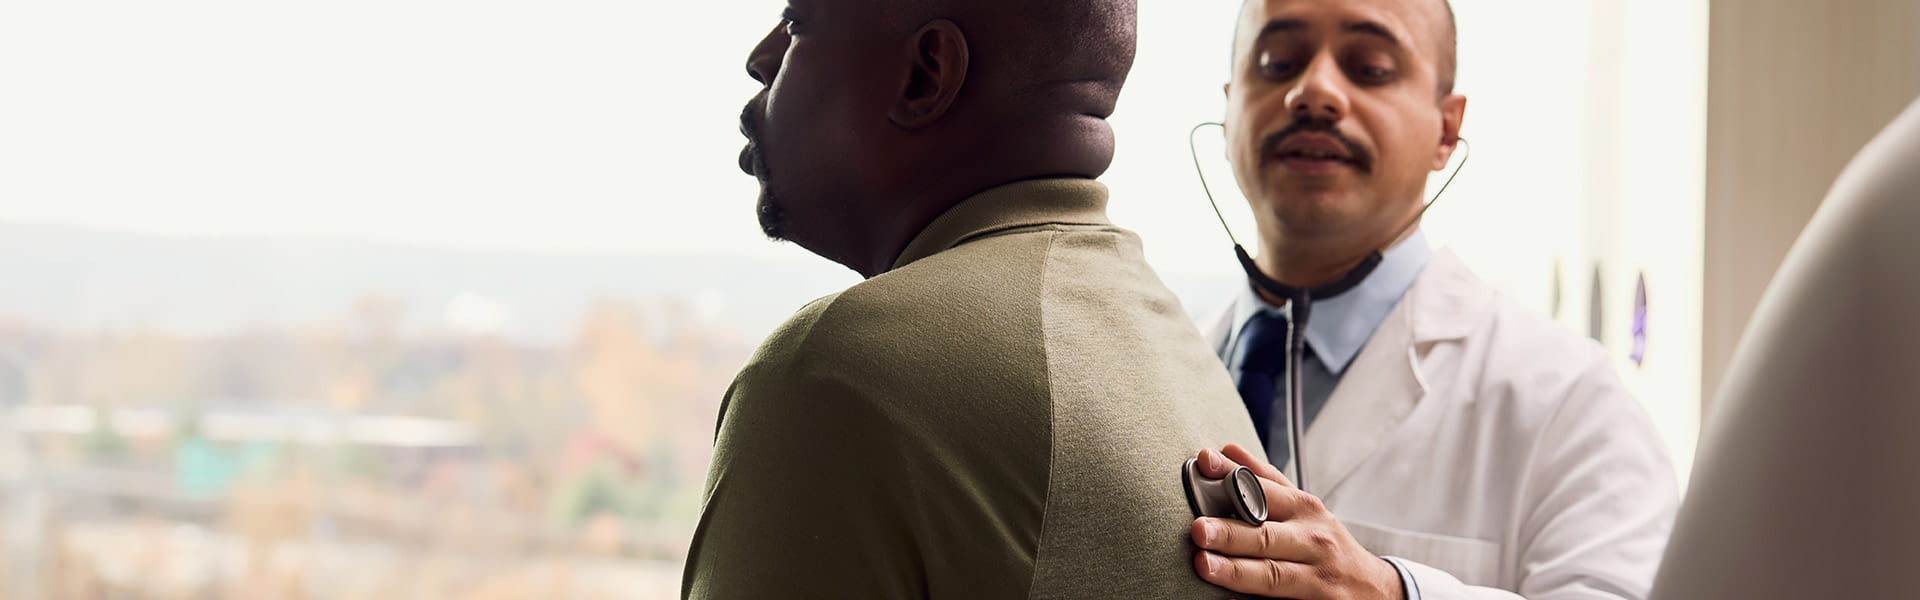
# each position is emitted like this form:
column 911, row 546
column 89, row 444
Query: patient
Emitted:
column 1805, row 487
column 1011, row 391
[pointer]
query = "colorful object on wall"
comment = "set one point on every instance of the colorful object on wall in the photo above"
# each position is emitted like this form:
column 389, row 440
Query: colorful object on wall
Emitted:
column 1639, row 352
column 1558, row 287
column 1596, row 322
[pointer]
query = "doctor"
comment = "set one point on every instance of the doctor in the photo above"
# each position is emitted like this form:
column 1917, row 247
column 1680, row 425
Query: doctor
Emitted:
column 1457, row 445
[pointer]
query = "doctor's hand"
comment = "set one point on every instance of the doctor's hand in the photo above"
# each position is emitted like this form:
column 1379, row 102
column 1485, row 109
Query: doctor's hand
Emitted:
column 1301, row 552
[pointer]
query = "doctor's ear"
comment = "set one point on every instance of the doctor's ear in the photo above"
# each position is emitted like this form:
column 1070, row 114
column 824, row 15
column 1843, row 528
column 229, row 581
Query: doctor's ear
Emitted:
column 937, row 70
column 1453, row 110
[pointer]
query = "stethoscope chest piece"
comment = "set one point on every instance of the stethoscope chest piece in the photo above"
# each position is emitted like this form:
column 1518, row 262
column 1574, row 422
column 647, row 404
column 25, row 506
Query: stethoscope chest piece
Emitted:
column 1238, row 496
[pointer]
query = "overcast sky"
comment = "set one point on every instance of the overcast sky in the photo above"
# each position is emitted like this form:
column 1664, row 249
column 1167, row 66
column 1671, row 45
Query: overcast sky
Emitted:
column 611, row 126
column 574, row 126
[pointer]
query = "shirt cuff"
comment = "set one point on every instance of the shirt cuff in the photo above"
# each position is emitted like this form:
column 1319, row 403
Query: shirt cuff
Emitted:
column 1406, row 579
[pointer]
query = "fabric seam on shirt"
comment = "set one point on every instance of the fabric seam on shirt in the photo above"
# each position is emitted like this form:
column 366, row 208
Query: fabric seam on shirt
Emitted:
column 1019, row 229
column 1053, row 443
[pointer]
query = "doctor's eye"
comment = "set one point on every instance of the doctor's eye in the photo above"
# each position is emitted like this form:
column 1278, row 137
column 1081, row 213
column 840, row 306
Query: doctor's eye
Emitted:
column 1276, row 67
column 1372, row 75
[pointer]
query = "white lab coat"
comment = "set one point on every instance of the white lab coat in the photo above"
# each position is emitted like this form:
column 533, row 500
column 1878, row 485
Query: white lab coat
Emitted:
column 1492, row 449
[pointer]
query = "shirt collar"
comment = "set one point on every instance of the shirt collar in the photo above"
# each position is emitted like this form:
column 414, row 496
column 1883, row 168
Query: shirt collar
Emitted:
column 1020, row 204
column 1342, row 324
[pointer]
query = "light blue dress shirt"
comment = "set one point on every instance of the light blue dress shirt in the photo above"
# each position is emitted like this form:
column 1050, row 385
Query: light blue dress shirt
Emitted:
column 1340, row 325
column 1338, row 328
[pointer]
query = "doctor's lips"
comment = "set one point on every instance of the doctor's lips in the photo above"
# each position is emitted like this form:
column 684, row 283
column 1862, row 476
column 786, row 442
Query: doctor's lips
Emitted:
column 1315, row 148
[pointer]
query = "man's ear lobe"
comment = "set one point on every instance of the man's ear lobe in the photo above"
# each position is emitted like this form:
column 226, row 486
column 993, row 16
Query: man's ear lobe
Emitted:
column 1453, row 111
column 934, row 76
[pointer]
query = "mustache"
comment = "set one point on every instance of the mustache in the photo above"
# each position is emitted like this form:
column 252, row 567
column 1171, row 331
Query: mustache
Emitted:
column 1362, row 157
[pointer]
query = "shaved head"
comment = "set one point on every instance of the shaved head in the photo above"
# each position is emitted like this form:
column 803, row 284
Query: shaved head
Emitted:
column 1446, row 52
column 1037, row 59
column 879, row 115
column 1449, row 50
column 1085, row 40
column 1337, row 111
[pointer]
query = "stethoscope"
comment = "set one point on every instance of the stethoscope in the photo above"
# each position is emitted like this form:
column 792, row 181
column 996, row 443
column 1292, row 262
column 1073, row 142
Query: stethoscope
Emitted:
column 1239, row 494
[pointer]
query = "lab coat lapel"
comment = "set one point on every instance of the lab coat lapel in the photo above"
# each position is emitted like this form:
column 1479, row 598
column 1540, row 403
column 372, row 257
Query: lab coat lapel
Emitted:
column 1377, row 392
column 1385, row 382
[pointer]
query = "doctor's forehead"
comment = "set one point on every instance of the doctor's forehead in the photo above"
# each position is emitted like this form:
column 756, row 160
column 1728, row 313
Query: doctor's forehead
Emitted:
column 1412, row 22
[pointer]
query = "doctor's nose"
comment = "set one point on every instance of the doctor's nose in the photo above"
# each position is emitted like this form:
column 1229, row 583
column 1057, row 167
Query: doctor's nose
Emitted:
column 1319, row 92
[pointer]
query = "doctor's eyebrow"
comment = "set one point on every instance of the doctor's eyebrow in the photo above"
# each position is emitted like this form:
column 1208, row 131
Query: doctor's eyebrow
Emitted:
column 1282, row 26
column 1362, row 27
column 1373, row 29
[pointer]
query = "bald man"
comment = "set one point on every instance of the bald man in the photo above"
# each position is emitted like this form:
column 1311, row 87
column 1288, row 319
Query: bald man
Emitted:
column 1001, row 409
column 1457, row 445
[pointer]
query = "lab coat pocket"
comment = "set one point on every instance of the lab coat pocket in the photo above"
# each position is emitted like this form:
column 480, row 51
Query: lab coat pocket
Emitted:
column 1472, row 561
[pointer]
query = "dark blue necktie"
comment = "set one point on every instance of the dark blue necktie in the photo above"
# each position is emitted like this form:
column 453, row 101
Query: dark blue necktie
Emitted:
column 1262, row 355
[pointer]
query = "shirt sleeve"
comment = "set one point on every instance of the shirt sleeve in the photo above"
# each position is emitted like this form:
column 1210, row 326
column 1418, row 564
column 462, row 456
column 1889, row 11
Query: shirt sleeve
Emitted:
column 1430, row 583
column 1599, row 496
column 1410, row 589
column 1602, row 496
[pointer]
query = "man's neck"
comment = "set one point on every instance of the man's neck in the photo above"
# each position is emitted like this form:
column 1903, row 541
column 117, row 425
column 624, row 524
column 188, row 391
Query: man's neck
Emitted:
column 913, row 214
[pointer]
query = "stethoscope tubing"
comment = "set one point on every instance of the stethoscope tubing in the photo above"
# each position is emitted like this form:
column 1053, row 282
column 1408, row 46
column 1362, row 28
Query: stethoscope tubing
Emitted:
column 1300, row 300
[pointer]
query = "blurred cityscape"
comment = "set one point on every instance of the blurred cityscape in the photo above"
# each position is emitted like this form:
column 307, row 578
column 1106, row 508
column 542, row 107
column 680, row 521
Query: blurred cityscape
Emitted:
column 182, row 418
column 311, row 419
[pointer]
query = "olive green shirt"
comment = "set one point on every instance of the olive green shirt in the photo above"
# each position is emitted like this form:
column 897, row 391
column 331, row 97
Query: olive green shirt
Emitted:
column 1003, row 415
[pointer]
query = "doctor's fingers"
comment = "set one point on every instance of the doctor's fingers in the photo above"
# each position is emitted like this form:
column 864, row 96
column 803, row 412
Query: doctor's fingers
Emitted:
column 1288, row 503
column 1259, row 576
column 1218, row 464
column 1288, row 541
column 1259, row 464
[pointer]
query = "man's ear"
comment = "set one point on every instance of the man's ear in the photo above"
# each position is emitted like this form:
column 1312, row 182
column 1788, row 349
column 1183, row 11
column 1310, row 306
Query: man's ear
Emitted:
column 937, row 71
column 1453, row 109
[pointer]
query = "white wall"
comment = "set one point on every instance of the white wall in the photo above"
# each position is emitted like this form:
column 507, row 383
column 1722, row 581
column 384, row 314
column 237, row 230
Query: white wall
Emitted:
column 1588, row 124
column 1797, row 88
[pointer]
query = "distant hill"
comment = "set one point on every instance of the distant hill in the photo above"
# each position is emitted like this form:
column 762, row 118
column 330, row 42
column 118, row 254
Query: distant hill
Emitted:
column 76, row 279
column 82, row 280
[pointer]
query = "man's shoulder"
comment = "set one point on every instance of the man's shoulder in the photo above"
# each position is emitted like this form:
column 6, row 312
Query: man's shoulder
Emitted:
column 986, row 293
column 1523, row 356
column 1457, row 299
column 1537, row 344
column 791, row 335
column 1530, row 374
column 918, row 334
column 979, row 294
